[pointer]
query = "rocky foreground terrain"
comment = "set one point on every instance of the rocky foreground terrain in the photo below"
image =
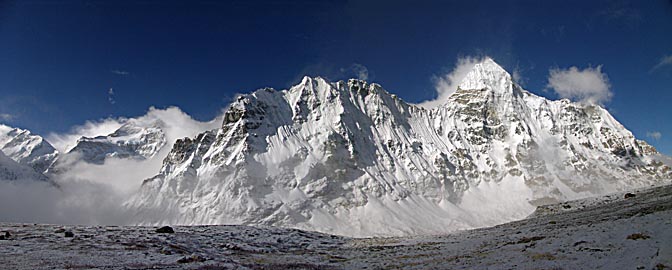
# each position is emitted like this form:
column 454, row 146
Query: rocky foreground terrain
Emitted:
column 619, row 231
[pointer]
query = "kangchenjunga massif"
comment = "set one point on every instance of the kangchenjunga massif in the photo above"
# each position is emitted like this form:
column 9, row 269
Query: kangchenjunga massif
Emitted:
column 350, row 158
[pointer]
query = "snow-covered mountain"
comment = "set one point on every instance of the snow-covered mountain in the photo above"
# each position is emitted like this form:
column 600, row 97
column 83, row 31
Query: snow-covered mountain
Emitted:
column 11, row 170
column 350, row 158
column 134, row 139
column 140, row 138
column 26, row 148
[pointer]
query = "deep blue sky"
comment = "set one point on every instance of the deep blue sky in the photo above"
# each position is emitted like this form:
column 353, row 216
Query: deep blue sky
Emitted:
column 58, row 59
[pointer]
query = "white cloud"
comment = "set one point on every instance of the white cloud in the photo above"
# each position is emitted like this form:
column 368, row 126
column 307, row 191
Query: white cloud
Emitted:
column 6, row 117
column 664, row 61
column 358, row 70
column 362, row 71
column 120, row 176
column 518, row 78
column 110, row 96
column 446, row 84
column 120, row 72
column 656, row 135
column 179, row 124
column 589, row 85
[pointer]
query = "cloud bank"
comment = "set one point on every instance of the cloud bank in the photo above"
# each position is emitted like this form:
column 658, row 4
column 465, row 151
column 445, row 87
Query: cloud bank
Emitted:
column 73, row 202
column 445, row 85
column 589, row 85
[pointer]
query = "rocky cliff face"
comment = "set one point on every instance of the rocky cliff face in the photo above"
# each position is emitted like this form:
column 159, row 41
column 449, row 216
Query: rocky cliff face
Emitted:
column 351, row 158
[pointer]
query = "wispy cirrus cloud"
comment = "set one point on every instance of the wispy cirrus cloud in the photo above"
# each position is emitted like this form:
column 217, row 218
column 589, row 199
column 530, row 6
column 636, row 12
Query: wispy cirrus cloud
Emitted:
column 518, row 77
column 120, row 72
column 358, row 70
column 656, row 135
column 589, row 85
column 361, row 71
column 110, row 96
column 622, row 12
column 664, row 61
column 6, row 117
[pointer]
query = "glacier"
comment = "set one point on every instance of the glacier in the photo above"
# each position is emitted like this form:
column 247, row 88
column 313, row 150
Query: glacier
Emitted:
column 352, row 159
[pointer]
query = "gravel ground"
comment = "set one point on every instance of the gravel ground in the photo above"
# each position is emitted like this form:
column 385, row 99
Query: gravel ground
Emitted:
column 612, row 232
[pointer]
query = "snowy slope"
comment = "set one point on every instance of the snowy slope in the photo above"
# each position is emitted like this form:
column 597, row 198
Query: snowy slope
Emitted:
column 26, row 148
column 350, row 158
column 11, row 170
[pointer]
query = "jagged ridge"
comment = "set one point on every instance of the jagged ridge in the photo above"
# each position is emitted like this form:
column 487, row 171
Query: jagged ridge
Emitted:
column 351, row 158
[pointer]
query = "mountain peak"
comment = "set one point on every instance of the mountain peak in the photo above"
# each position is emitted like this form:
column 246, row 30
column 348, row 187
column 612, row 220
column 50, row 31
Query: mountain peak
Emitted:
column 308, row 80
column 324, row 156
column 490, row 64
column 487, row 74
column 26, row 148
